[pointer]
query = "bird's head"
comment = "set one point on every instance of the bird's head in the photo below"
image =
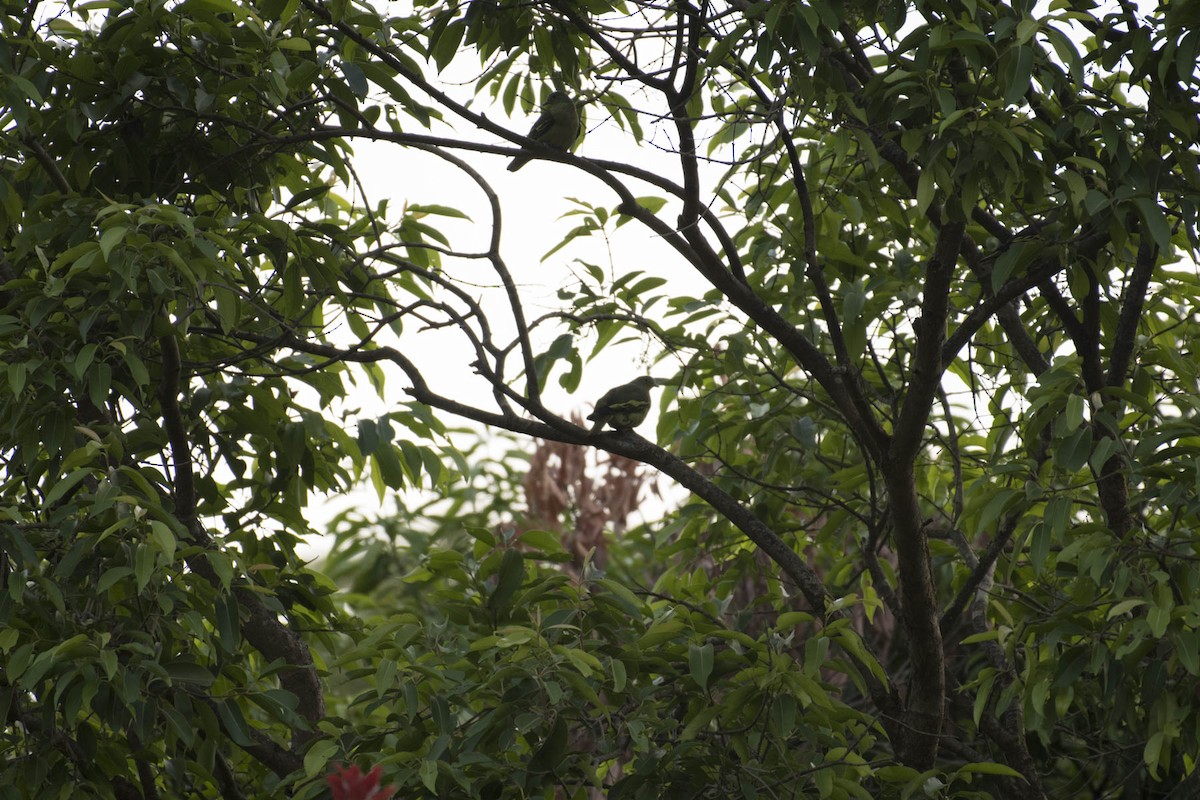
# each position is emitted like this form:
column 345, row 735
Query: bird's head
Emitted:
column 646, row 382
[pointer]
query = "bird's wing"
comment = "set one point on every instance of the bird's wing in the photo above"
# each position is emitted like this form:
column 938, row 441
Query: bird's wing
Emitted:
column 542, row 126
column 611, row 405
column 602, row 405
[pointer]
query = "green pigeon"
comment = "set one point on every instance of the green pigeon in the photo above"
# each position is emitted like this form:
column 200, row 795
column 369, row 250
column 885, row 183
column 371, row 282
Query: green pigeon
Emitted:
column 624, row 407
column 557, row 127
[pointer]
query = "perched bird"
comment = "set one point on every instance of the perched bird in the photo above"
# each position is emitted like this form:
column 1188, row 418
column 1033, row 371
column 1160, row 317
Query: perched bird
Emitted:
column 624, row 407
column 557, row 127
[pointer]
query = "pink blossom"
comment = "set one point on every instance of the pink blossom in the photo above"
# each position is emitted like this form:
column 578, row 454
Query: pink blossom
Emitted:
column 349, row 783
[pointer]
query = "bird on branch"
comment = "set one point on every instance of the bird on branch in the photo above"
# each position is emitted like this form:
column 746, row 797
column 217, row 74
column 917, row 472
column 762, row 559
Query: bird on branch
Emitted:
column 557, row 127
column 624, row 407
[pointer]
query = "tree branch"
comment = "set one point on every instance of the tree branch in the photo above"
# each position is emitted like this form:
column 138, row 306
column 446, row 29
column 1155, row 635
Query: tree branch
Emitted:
column 1041, row 269
column 1125, row 336
column 261, row 625
column 48, row 163
column 925, row 709
column 928, row 363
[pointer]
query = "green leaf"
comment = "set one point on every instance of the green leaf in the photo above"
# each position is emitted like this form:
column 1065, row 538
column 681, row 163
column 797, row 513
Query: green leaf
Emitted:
column 356, row 79
column 1073, row 413
column 37, row 670
column 700, row 663
column 1010, row 262
column 1018, row 74
column 234, row 723
column 99, row 384
column 111, row 576
column 661, row 631
column 60, row 489
column 701, row 719
column 552, row 749
column 137, row 369
column 17, row 374
column 1057, row 517
column 1073, row 452
column 1154, row 220
column 1159, row 619
column 1152, row 752
column 222, row 566
column 446, row 45
column 987, row 768
column 783, row 715
column 1071, row 666
column 925, row 190
column 429, row 772
column 318, row 756
column 303, row 196
column 1124, row 607
column 165, row 539
column 1000, row 503
column 545, row 541
column 182, row 671
column 509, row 579
column 619, row 674
column 562, row 348
column 111, row 238
column 229, row 626
column 790, row 619
column 627, row 599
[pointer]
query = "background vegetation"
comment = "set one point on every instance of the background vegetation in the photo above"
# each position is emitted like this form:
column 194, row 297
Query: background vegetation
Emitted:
column 932, row 395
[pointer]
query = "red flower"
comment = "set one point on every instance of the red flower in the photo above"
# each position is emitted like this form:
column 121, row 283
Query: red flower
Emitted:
column 349, row 783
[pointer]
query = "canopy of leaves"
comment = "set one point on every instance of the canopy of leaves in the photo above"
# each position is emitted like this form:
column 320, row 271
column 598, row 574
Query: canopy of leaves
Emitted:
column 932, row 392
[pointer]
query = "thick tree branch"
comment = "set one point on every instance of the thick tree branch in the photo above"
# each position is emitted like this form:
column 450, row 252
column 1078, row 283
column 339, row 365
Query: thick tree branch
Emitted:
column 687, row 52
column 261, row 625
column 1125, row 336
column 1089, row 347
column 1112, row 483
column 813, row 267
column 1040, row 270
column 980, row 572
column 48, row 164
column 928, row 365
column 924, row 712
column 1007, row 315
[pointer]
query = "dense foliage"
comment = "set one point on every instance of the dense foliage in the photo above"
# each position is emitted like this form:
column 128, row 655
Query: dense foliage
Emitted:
column 931, row 391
